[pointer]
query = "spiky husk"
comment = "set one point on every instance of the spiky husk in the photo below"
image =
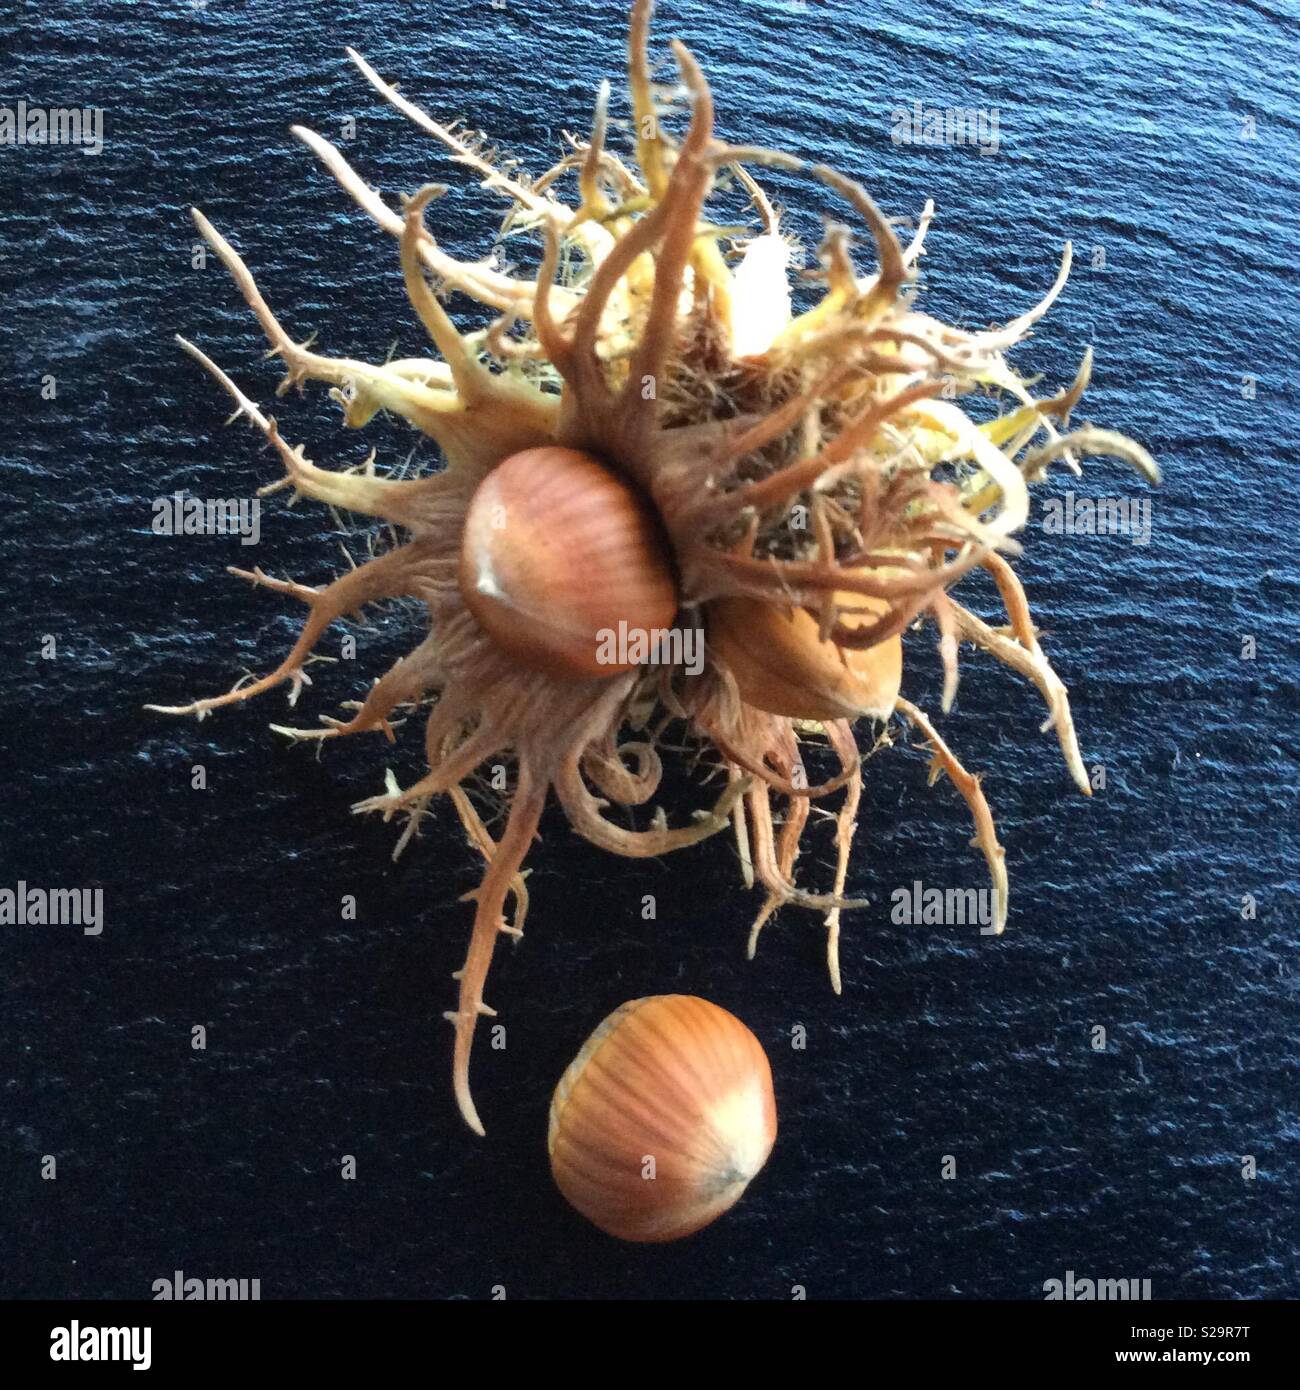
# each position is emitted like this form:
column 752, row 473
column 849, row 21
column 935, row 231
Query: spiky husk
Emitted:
column 726, row 410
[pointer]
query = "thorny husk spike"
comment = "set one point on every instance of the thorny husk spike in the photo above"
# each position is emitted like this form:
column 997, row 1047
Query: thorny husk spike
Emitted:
column 826, row 466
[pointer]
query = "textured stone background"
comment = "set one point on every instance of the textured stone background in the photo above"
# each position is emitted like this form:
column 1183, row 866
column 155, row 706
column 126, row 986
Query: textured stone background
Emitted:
column 1120, row 127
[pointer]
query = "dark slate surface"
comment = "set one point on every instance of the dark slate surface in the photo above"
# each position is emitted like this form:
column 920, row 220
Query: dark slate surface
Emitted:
column 1121, row 127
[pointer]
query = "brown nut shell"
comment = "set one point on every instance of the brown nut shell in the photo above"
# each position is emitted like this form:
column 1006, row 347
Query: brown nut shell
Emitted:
column 781, row 665
column 557, row 551
column 662, row 1119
